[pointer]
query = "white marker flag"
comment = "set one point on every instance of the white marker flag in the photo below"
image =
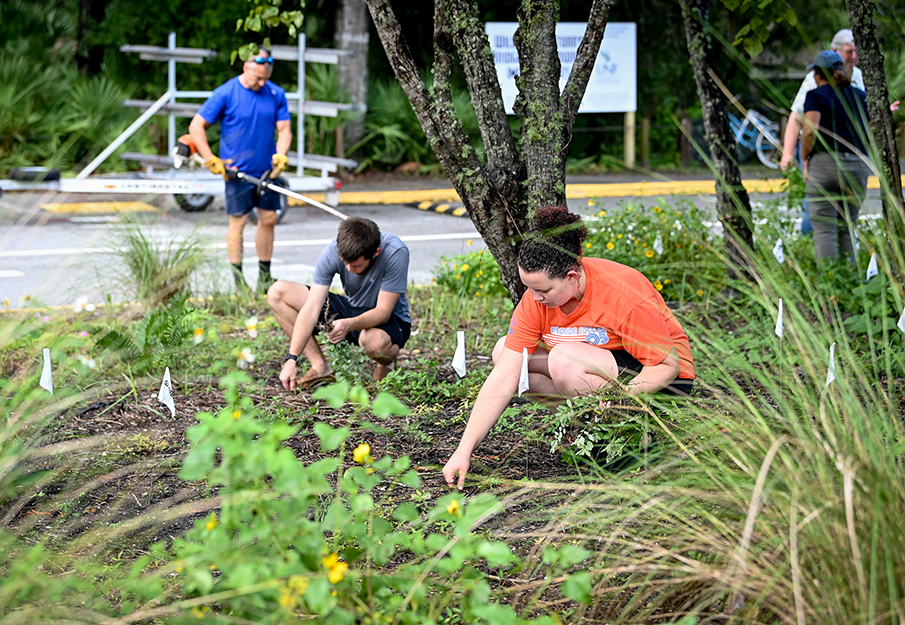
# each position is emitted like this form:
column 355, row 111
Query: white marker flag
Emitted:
column 831, row 371
column 46, row 374
column 458, row 362
column 523, row 378
column 165, row 396
column 779, row 320
column 872, row 267
column 778, row 252
column 901, row 324
column 658, row 244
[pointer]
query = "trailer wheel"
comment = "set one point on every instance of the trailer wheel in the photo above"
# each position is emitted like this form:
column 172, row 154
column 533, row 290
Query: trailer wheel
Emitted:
column 32, row 174
column 281, row 211
column 194, row 202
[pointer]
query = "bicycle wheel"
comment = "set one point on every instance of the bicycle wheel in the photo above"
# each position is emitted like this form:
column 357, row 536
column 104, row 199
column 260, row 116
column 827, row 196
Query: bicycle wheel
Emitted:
column 769, row 149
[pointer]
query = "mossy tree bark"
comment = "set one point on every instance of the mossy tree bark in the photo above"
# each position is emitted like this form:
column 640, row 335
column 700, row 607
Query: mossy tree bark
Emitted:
column 501, row 193
column 732, row 204
column 886, row 160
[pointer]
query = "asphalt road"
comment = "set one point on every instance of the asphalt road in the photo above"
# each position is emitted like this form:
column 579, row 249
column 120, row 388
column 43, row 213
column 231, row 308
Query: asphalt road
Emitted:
column 55, row 258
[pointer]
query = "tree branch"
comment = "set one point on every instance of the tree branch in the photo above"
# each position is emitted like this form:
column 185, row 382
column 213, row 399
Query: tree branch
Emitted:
column 585, row 58
column 480, row 72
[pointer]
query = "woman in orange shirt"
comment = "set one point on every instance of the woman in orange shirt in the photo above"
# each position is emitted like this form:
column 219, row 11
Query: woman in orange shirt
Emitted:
column 584, row 322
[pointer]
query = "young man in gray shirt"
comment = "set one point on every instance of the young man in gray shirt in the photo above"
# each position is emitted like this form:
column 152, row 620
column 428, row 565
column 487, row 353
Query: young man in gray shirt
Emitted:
column 374, row 313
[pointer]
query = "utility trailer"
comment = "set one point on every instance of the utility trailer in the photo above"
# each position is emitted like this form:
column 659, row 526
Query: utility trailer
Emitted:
column 194, row 190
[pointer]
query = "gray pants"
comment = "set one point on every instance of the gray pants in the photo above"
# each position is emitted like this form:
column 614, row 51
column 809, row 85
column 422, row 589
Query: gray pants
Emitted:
column 835, row 192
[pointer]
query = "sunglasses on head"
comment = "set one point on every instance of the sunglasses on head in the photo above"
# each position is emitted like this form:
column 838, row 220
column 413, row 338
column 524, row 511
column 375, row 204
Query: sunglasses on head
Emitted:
column 261, row 60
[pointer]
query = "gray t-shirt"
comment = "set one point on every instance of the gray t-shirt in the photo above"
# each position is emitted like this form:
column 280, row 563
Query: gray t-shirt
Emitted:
column 388, row 273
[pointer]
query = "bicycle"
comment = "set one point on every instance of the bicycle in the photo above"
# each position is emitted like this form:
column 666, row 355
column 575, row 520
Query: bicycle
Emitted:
column 758, row 134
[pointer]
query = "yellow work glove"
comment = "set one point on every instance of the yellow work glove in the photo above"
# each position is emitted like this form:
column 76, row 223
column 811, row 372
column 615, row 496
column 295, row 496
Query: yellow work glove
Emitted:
column 279, row 163
column 218, row 166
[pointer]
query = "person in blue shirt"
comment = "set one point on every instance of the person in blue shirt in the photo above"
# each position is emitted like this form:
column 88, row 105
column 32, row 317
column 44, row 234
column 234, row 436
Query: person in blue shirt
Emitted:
column 373, row 314
column 250, row 110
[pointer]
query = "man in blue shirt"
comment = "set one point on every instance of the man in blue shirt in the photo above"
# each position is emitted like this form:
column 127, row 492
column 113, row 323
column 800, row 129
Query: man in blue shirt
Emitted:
column 250, row 110
column 373, row 314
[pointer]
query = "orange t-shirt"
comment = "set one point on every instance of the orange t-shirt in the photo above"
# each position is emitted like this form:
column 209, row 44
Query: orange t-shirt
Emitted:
column 620, row 309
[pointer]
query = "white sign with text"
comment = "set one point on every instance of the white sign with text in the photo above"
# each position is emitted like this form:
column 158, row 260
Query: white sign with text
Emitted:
column 612, row 87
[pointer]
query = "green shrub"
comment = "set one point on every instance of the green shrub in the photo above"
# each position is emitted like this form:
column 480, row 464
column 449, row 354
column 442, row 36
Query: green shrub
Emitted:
column 472, row 274
column 150, row 343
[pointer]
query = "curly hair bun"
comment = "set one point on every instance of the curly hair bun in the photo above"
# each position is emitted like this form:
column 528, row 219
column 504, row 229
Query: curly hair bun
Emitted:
column 549, row 217
column 554, row 245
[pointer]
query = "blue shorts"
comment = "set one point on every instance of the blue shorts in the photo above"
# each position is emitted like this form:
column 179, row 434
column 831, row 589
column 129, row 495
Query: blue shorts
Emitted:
column 242, row 196
column 338, row 307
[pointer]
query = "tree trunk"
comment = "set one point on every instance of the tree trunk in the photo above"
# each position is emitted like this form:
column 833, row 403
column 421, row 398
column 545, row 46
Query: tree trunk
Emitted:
column 501, row 193
column 91, row 13
column 352, row 34
column 732, row 204
column 886, row 160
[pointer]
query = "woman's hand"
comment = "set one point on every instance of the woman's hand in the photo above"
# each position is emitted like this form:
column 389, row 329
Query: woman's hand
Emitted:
column 457, row 465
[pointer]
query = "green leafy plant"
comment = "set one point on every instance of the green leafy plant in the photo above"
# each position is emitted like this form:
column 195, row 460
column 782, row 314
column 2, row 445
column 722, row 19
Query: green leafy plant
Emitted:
column 158, row 336
column 297, row 540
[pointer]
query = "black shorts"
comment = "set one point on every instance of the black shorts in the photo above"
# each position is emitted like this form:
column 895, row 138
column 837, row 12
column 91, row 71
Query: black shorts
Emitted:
column 338, row 307
column 628, row 367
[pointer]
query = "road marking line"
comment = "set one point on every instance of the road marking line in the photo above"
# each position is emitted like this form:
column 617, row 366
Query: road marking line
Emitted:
column 447, row 236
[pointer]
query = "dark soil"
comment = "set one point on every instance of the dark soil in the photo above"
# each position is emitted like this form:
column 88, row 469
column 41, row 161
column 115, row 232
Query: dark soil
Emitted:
column 113, row 462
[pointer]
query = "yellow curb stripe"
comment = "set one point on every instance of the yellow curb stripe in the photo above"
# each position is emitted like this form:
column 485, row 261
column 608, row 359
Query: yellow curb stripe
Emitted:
column 460, row 212
column 98, row 207
column 578, row 191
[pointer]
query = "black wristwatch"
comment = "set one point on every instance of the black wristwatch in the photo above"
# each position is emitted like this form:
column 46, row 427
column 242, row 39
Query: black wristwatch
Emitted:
column 291, row 357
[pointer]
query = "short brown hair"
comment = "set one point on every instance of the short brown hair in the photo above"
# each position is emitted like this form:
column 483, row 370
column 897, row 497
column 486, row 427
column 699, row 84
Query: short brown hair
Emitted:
column 357, row 237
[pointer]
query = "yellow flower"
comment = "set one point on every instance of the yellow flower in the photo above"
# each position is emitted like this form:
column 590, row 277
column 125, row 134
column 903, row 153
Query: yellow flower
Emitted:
column 601, row 214
column 658, row 210
column 590, row 202
column 667, row 281
column 700, row 293
column 295, row 586
column 455, row 266
column 465, row 267
column 213, row 567
column 199, row 612
column 678, row 214
column 198, row 335
column 619, row 236
column 610, row 245
column 453, row 507
column 6, row 303
column 658, row 285
column 469, row 242
column 480, row 273
column 337, row 573
column 362, row 454
column 335, row 569
column 237, row 414
column 179, row 568
column 212, row 522
column 587, row 245
column 649, row 253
